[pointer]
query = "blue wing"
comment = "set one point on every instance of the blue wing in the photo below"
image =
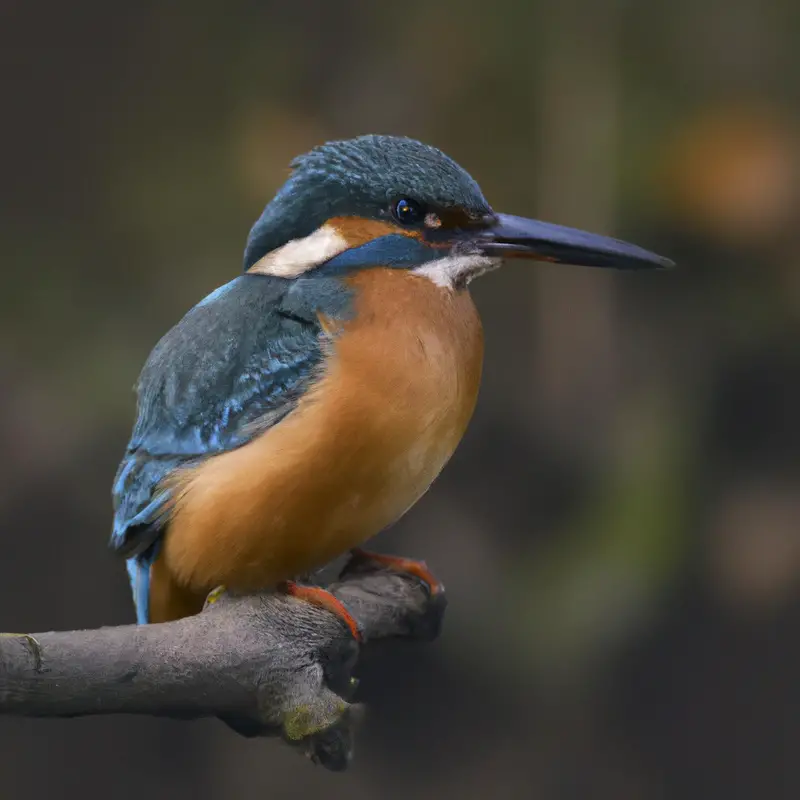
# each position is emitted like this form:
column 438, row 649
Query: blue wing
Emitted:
column 235, row 365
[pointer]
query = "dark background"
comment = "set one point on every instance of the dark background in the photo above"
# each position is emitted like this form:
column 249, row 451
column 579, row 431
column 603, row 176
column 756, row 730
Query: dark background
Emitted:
column 619, row 532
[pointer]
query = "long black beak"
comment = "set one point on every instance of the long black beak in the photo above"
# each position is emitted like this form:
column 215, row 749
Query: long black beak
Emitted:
column 508, row 236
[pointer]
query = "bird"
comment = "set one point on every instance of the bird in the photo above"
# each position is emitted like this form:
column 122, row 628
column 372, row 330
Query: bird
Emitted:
column 307, row 404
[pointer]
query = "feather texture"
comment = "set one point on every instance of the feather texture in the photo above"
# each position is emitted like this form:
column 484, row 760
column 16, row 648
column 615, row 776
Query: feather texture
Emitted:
column 235, row 365
column 365, row 441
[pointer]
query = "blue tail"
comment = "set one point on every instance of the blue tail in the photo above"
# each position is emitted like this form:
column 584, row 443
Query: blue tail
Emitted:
column 139, row 574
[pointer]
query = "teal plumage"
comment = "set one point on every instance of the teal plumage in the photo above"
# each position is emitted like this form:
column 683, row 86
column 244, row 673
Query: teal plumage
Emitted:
column 236, row 364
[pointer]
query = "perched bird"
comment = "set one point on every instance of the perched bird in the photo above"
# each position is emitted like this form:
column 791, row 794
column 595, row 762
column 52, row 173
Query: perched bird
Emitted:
column 309, row 403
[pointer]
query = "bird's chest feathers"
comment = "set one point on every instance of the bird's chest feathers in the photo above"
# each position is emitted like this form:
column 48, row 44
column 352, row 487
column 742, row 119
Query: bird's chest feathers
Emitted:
column 397, row 390
column 411, row 360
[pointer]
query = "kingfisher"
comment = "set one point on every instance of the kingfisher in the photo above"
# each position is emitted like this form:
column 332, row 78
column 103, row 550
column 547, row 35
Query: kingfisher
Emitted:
column 306, row 405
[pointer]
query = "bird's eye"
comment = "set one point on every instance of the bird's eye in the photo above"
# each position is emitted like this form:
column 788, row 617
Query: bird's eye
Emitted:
column 408, row 212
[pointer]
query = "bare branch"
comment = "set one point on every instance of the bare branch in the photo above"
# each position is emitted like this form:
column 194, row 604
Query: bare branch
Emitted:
column 268, row 665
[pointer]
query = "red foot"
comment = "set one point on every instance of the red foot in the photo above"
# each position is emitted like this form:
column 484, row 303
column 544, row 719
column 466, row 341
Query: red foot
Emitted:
column 418, row 568
column 324, row 599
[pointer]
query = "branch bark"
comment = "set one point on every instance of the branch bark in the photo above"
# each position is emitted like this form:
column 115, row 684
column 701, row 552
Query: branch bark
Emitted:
column 267, row 665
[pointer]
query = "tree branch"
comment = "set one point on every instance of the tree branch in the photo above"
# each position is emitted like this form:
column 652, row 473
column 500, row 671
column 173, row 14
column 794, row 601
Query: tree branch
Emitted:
column 268, row 665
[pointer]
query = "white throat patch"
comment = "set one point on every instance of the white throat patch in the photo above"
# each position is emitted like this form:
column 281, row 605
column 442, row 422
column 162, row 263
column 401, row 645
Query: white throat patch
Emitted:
column 300, row 255
column 455, row 271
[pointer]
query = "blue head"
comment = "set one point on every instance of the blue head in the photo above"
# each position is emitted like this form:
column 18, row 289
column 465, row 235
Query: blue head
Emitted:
column 386, row 200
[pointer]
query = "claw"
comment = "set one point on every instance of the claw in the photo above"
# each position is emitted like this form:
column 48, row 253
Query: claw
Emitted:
column 324, row 599
column 399, row 564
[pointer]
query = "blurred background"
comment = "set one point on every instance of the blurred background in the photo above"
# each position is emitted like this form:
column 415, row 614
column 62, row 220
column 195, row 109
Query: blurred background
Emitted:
column 619, row 532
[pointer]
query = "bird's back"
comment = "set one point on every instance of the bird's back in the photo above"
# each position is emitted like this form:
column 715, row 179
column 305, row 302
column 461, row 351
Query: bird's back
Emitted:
column 235, row 365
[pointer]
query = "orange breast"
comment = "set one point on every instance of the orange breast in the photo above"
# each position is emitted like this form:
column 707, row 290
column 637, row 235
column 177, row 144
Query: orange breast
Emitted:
column 363, row 445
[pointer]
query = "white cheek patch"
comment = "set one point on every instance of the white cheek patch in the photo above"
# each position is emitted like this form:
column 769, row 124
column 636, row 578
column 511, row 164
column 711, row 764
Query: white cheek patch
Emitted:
column 301, row 255
column 454, row 271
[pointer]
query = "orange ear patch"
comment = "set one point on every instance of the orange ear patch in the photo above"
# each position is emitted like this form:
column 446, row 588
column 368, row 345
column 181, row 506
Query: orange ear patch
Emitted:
column 358, row 230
